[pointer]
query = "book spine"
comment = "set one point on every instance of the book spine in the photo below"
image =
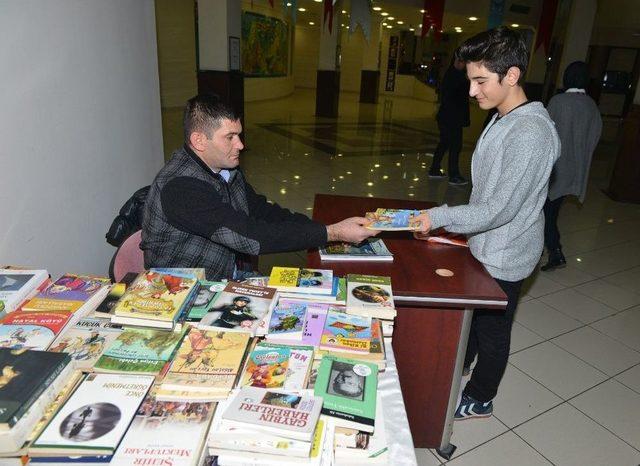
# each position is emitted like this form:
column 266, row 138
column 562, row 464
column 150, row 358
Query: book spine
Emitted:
column 36, row 393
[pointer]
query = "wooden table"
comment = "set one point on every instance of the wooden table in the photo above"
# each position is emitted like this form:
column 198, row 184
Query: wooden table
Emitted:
column 434, row 313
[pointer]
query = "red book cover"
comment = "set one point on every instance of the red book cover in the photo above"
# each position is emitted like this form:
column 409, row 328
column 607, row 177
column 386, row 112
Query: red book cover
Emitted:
column 31, row 330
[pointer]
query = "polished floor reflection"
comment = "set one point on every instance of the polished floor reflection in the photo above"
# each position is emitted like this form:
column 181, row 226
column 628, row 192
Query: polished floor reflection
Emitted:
column 571, row 393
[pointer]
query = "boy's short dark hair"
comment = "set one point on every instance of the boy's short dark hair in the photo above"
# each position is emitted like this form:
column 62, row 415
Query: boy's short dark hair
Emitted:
column 576, row 75
column 204, row 113
column 498, row 50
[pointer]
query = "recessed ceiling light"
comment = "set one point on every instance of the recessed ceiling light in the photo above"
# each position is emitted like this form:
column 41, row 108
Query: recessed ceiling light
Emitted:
column 400, row 22
column 384, row 13
column 344, row 12
column 422, row 11
column 318, row 1
column 376, row 8
column 311, row 23
column 384, row 25
column 473, row 18
column 458, row 30
column 390, row 18
column 288, row 3
column 302, row 9
column 411, row 29
column 515, row 25
column 389, row 26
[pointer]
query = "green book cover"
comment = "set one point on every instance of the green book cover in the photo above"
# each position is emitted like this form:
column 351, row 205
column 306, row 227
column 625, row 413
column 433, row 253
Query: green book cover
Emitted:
column 341, row 296
column 140, row 351
column 205, row 299
column 348, row 388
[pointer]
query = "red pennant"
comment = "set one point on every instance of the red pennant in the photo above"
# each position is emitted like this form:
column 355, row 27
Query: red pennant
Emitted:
column 545, row 26
column 432, row 16
column 328, row 10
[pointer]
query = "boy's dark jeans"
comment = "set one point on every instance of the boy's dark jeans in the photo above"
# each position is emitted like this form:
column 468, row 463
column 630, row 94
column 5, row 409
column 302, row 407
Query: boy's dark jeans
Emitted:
column 490, row 339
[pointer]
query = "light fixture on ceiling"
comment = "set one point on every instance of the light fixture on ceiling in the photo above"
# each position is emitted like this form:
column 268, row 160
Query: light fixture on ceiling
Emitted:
column 344, row 12
column 422, row 11
column 288, row 3
column 389, row 26
column 390, row 18
column 384, row 25
column 473, row 18
column 302, row 9
column 311, row 23
column 515, row 25
column 384, row 13
column 376, row 8
column 411, row 29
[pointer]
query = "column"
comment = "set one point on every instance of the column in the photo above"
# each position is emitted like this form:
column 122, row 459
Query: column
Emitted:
column 370, row 74
column 328, row 77
column 218, row 21
column 578, row 35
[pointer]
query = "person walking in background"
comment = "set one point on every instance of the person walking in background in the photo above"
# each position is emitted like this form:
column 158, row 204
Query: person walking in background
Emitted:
column 579, row 126
column 452, row 116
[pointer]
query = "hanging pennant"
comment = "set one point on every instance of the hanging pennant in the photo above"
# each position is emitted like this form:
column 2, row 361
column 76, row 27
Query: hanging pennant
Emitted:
column 432, row 17
column 361, row 15
column 328, row 11
column 545, row 26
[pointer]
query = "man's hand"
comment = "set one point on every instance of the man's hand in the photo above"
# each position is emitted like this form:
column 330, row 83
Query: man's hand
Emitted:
column 425, row 226
column 350, row 230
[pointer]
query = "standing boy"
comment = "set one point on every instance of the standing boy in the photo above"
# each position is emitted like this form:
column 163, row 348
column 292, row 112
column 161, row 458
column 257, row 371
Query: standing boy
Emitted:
column 510, row 171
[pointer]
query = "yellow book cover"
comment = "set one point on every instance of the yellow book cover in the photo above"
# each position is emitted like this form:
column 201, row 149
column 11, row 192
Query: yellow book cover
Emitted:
column 284, row 277
column 206, row 360
column 155, row 296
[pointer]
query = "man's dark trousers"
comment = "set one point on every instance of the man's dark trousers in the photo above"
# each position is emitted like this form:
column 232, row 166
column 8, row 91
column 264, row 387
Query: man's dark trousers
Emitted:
column 490, row 340
column 451, row 140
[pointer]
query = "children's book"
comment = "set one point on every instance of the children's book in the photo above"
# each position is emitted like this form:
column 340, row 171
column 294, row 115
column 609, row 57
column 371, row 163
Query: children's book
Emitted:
column 208, row 360
column 336, row 296
column 299, row 367
column 316, row 281
column 393, row 219
column 32, row 330
column 198, row 273
column 16, row 285
column 24, row 376
column 86, row 341
column 348, row 388
column 370, row 295
column 314, row 323
column 288, row 415
column 105, row 308
column 68, row 293
column 266, row 367
column 371, row 249
column 444, row 237
column 95, row 417
column 204, row 300
column 139, row 351
column 153, row 300
column 165, row 432
column 242, row 306
column 287, row 320
column 345, row 332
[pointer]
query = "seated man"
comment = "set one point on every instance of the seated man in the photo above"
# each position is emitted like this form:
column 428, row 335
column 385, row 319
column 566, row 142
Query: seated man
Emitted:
column 201, row 211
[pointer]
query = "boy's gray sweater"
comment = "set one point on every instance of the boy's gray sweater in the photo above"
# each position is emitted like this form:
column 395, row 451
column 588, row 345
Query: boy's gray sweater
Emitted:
column 510, row 171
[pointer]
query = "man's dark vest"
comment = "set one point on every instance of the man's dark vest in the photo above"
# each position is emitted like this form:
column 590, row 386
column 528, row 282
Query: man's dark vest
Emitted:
column 167, row 246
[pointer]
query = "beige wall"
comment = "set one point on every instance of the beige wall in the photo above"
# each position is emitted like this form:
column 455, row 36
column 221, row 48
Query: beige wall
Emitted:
column 305, row 56
column 353, row 47
column 175, row 25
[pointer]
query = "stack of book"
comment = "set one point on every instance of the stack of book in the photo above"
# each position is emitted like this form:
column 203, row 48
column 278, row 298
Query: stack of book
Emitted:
column 29, row 381
column 263, row 426
column 317, row 285
column 370, row 295
column 78, row 294
column 371, row 250
column 154, row 300
column 206, row 365
column 17, row 286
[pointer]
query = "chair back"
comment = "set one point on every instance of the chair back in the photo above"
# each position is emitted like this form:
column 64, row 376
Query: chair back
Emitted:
column 128, row 258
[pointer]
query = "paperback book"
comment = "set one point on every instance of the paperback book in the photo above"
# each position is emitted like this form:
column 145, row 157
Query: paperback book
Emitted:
column 205, row 299
column 336, row 296
column 16, row 285
column 95, row 417
column 105, row 308
column 242, row 306
column 266, row 367
column 348, row 389
column 314, row 323
column 393, row 220
column 153, row 300
column 32, row 330
column 288, row 415
column 69, row 293
column 345, row 332
column 208, row 361
column 371, row 249
column 370, row 295
column 299, row 367
column 165, row 432
column 444, row 237
column 139, row 351
column 316, row 281
column 197, row 273
column 287, row 319
column 86, row 341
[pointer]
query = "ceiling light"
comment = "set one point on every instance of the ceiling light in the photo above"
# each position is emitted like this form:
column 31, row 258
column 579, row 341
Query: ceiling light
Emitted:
column 342, row 25
column 389, row 26
column 458, row 30
column 288, row 3
column 311, row 23
column 376, row 8
column 384, row 13
column 344, row 12
column 318, row 1
column 411, row 29
column 422, row 11
column 400, row 22
column 473, row 18
column 515, row 25
column 302, row 9
column 370, row 183
column 384, row 25
column 390, row 18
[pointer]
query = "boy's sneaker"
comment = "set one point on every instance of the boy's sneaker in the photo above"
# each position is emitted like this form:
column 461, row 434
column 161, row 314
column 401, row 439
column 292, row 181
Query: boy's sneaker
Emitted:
column 438, row 173
column 470, row 408
column 457, row 180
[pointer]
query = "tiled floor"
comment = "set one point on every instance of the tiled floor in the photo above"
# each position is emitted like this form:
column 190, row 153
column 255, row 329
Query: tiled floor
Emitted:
column 571, row 392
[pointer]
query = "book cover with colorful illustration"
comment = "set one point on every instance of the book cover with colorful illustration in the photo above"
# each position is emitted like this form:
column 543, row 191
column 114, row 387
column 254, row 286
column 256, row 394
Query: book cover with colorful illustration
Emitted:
column 143, row 351
column 345, row 332
column 299, row 367
column 86, row 341
column 314, row 323
column 32, row 330
column 105, row 308
column 370, row 295
column 371, row 249
column 16, row 285
column 205, row 299
column 393, row 219
column 348, row 388
column 242, row 306
column 266, row 368
column 315, row 281
column 207, row 360
column 155, row 296
column 287, row 319
column 68, row 293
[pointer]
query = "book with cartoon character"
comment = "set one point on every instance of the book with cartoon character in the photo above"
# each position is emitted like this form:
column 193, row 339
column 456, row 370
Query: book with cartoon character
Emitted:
column 316, row 281
column 266, row 368
column 393, row 219
column 154, row 300
column 345, row 332
column 32, row 330
column 69, row 293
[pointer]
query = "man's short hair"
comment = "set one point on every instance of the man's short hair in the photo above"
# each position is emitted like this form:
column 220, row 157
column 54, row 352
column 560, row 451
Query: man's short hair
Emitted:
column 498, row 50
column 204, row 114
column 576, row 75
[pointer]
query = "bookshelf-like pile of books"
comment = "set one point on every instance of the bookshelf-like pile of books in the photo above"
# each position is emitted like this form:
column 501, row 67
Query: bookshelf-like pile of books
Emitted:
column 170, row 368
